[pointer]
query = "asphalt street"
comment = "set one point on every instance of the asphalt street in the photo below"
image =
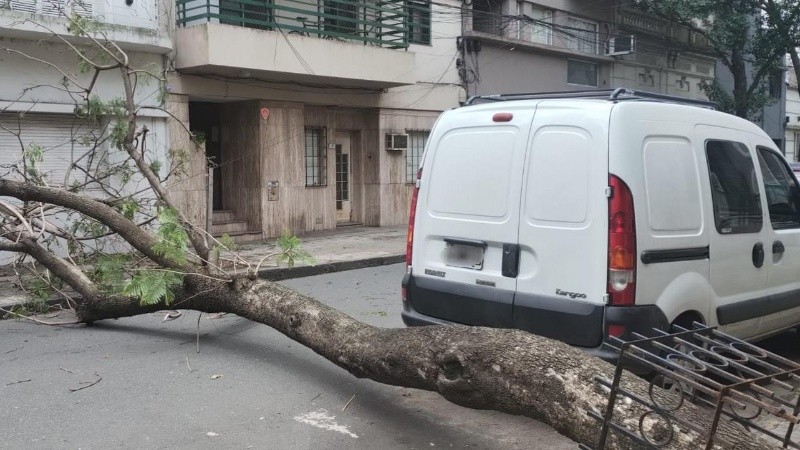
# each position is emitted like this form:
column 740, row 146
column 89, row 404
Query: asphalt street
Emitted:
column 141, row 383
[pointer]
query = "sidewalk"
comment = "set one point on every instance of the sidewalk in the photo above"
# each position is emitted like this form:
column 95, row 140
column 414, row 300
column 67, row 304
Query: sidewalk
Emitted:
column 347, row 248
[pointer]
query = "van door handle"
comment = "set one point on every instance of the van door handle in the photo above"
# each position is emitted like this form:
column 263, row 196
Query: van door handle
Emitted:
column 510, row 266
column 778, row 248
column 758, row 255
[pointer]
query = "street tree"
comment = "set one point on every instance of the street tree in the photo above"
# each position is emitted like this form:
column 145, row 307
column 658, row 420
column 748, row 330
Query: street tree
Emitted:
column 110, row 232
column 784, row 18
column 741, row 38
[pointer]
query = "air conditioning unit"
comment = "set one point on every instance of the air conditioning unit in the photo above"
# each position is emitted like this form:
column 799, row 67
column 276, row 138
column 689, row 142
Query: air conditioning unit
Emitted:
column 620, row 45
column 396, row 142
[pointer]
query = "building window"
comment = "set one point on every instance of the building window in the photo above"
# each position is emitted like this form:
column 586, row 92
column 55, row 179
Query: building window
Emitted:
column 796, row 156
column 581, row 72
column 316, row 157
column 537, row 25
column 419, row 22
column 581, row 35
column 416, row 146
column 341, row 17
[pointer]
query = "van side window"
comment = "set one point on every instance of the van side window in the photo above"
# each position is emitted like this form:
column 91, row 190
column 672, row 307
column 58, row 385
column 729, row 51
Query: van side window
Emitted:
column 734, row 188
column 783, row 197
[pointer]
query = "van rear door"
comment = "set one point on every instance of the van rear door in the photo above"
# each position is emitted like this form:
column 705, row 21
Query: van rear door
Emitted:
column 468, row 213
column 563, row 231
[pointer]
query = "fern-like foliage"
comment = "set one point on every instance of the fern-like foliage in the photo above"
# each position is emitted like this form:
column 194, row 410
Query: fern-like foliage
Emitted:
column 291, row 252
column 173, row 240
column 109, row 273
column 153, row 286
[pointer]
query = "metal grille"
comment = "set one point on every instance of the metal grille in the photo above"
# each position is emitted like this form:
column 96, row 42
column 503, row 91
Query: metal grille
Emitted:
column 723, row 375
column 342, row 177
column 316, row 157
column 417, row 140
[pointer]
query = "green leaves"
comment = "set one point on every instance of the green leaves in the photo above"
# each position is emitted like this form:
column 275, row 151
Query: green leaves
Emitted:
column 153, row 286
column 291, row 253
column 129, row 208
column 173, row 240
column 109, row 272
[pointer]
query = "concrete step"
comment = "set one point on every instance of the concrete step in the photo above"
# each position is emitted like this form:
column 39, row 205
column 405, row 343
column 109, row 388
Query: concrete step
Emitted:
column 219, row 228
column 222, row 216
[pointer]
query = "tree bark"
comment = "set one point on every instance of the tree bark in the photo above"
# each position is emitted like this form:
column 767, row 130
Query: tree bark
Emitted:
column 485, row 368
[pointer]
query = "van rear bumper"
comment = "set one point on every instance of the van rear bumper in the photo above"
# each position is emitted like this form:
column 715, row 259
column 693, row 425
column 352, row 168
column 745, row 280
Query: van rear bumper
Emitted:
column 638, row 319
column 412, row 319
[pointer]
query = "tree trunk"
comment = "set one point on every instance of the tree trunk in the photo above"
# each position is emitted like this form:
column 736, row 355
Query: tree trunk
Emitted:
column 741, row 99
column 485, row 368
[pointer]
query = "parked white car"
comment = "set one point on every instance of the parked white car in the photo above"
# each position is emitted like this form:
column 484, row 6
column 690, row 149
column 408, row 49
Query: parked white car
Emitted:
column 576, row 217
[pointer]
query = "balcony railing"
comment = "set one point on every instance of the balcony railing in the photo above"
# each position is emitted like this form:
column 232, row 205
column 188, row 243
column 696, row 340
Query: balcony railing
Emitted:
column 537, row 31
column 384, row 23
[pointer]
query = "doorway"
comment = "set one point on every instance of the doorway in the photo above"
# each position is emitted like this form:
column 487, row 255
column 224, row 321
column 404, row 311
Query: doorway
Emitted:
column 204, row 120
column 344, row 210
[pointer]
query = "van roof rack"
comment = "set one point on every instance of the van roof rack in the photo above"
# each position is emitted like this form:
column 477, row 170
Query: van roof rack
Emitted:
column 613, row 95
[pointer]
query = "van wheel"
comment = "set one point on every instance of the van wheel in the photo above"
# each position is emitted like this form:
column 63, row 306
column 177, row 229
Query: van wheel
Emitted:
column 678, row 390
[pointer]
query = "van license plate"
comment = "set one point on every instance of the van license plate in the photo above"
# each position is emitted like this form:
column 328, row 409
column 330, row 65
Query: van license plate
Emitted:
column 463, row 256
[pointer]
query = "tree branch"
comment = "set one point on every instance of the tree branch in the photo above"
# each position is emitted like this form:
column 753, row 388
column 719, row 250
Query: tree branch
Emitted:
column 139, row 238
column 197, row 239
column 68, row 273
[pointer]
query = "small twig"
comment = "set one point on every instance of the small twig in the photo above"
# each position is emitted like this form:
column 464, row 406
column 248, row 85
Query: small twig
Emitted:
column 198, row 331
column 64, row 370
column 188, row 366
column 40, row 322
column 315, row 397
column 348, row 402
column 258, row 266
column 12, row 350
column 87, row 383
column 18, row 382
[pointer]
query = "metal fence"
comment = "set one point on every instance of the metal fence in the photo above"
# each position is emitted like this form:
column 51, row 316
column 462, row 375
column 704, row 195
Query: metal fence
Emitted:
column 387, row 23
column 722, row 375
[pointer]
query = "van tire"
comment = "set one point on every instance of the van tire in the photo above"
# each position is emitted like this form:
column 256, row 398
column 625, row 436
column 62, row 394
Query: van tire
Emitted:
column 684, row 320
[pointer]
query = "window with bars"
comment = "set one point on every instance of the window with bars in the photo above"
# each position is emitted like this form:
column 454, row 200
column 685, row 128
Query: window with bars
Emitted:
column 316, row 157
column 416, row 146
column 581, row 35
column 419, row 22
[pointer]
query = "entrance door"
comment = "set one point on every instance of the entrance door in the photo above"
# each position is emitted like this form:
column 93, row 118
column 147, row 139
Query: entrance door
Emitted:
column 343, row 178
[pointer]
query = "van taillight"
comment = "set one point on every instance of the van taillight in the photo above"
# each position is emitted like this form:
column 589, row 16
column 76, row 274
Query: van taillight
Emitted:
column 621, row 245
column 412, row 214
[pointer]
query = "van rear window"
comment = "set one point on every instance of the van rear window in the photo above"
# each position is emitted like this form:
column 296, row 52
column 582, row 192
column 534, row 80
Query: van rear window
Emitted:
column 734, row 188
column 472, row 172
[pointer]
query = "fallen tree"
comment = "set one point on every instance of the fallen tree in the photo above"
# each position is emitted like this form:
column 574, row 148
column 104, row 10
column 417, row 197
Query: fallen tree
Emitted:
column 174, row 264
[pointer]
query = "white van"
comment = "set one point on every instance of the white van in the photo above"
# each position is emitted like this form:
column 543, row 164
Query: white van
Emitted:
column 576, row 217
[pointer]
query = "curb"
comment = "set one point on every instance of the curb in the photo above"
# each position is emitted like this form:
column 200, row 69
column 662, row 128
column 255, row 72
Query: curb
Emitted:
column 286, row 273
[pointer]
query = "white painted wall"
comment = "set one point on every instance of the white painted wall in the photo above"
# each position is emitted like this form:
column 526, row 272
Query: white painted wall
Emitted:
column 143, row 25
column 792, row 148
column 437, row 85
column 33, row 100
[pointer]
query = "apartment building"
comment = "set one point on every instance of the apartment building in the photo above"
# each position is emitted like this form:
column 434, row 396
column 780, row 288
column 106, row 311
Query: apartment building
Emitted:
column 556, row 45
column 314, row 114
column 792, row 111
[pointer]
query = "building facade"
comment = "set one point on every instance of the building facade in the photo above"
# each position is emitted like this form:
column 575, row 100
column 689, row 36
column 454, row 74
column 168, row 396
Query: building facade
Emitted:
column 313, row 115
column 792, row 120
column 558, row 45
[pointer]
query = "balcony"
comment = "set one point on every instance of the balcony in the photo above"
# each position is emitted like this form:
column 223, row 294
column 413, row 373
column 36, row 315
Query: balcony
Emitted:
column 345, row 43
column 573, row 38
column 134, row 26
